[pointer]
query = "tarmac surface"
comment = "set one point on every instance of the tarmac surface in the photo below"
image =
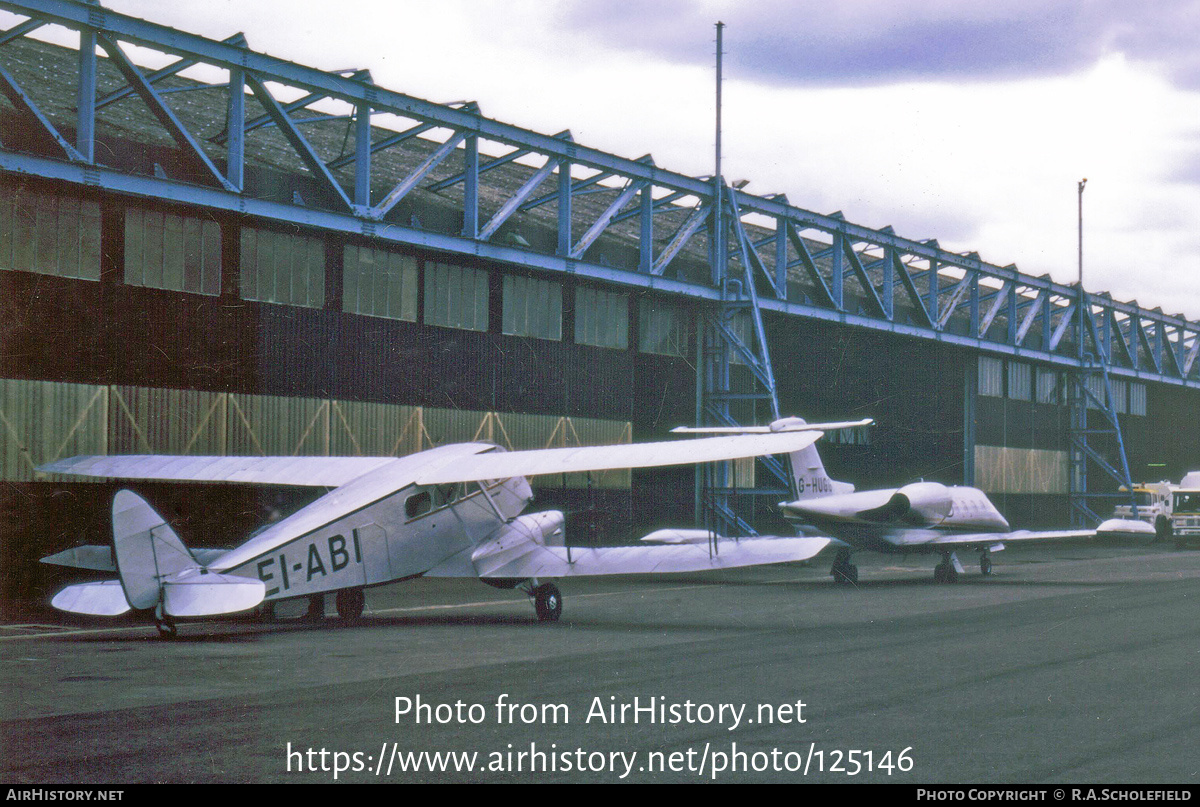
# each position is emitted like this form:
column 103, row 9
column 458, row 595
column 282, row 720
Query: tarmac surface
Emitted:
column 1071, row 664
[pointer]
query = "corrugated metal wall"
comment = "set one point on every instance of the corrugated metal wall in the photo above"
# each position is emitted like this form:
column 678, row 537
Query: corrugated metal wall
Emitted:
column 1001, row 469
column 42, row 421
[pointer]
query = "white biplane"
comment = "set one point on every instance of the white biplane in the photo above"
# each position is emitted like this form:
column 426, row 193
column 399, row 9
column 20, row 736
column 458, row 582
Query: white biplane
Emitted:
column 451, row 511
column 918, row 518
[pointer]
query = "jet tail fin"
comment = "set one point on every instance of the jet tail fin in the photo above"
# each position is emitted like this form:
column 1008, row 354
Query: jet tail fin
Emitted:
column 808, row 471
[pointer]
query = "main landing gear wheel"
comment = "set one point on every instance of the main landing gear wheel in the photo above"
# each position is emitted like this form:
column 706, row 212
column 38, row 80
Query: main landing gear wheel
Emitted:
column 547, row 602
column 316, row 608
column 843, row 571
column 846, row 573
column 985, row 565
column 945, row 572
column 350, row 603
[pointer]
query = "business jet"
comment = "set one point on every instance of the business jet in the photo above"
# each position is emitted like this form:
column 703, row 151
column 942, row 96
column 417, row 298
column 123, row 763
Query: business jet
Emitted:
column 452, row 511
column 921, row 517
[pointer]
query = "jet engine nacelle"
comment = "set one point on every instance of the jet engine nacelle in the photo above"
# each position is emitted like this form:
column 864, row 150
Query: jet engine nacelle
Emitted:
column 921, row 504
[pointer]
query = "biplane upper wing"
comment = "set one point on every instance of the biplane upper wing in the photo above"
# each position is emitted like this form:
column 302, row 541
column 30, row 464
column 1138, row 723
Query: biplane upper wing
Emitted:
column 505, row 464
column 319, row 472
column 462, row 466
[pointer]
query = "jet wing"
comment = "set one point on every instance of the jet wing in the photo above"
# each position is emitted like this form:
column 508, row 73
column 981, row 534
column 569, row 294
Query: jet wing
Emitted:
column 1112, row 526
column 989, row 538
column 319, row 472
column 506, row 464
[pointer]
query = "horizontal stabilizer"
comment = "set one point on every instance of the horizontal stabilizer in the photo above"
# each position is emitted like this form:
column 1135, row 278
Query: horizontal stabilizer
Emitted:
column 96, row 558
column 781, row 425
column 105, row 598
column 194, row 592
column 100, row 558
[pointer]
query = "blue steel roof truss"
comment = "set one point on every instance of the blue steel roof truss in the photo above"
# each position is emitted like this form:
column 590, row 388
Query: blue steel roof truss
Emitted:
column 949, row 297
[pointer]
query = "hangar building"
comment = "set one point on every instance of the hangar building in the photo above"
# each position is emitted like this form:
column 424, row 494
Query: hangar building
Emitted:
column 236, row 254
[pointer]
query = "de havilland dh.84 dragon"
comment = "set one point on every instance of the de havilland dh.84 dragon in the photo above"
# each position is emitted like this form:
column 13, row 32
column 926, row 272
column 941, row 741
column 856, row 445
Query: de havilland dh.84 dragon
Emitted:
column 452, row 511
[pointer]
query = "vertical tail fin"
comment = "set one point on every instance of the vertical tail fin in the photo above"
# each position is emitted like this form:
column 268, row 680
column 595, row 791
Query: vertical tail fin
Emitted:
column 808, row 471
column 156, row 571
column 146, row 549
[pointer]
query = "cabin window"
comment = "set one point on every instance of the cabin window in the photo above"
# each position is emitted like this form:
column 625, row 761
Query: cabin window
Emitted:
column 418, row 504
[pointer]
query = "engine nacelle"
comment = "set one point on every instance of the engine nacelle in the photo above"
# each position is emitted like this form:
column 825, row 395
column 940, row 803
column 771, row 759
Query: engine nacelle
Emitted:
column 921, row 504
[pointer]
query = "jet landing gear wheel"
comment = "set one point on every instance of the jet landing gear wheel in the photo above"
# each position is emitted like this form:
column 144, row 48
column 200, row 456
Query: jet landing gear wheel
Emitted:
column 547, row 602
column 350, row 603
column 843, row 571
column 985, row 565
column 945, row 572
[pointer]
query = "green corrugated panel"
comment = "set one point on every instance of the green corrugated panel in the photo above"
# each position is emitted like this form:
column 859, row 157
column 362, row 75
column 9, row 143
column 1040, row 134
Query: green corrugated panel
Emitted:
column 41, row 421
column 276, row 426
column 145, row 420
column 454, row 425
column 373, row 429
column 1000, row 469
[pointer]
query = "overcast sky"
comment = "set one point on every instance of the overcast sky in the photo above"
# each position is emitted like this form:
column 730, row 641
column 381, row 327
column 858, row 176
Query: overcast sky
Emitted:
column 966, row 122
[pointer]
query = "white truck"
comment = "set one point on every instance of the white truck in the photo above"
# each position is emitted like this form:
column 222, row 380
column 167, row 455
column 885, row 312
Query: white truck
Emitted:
column 1154, row 506
column 1185, row 510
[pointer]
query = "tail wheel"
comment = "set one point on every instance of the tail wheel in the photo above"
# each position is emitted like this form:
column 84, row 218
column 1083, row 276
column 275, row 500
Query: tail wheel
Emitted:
column 547, row 602
column 350, row 602
column 167, row 629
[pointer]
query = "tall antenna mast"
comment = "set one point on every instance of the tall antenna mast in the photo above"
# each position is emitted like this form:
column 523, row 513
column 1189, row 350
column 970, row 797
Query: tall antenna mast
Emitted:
column 720, row 52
